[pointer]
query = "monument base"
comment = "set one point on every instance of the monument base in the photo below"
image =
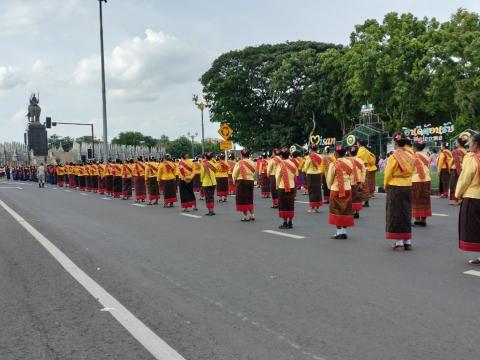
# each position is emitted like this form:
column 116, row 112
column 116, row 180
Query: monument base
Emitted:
column 37, row 139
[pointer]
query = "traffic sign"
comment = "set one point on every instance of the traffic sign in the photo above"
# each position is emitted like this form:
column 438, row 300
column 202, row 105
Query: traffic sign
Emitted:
column 226, row 145
column 225, row 131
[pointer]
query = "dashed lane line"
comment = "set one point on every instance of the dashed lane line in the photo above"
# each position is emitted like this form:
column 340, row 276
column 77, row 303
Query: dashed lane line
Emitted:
column 472, row 272
column 302, row 202
column 191, row 215
column 279, row 233
column 140, row 205
column 105, row 198
column 441, row 215
column 151, row 341
column 11, row 187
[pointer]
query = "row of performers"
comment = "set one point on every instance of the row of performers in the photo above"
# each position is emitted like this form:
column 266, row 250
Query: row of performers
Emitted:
column 346, row 182
column 407, row 184
column 348, row 179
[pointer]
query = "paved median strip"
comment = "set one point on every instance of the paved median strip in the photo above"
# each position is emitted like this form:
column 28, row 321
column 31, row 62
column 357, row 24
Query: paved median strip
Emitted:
column 472, row 272
column 279, row 233
column 151, row 341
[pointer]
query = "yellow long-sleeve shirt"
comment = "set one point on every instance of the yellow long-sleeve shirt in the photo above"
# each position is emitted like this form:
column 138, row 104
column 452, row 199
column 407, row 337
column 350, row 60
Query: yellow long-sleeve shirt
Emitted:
column 196, row 168
column 186, row 169
column 332, row 180
column 444, row 160
column 127, row 171
column 166, row 171
column 468, row 185
column 359, row 169
column 151, row 169
column 420, row 159
column 272, row 165
column 309, row 166
column 249, row 168
column 368, row 158
column 222, row 169
column 393, row 173
column 459, row 151
column 139, row 168
column 207, row 173
column 291, row 174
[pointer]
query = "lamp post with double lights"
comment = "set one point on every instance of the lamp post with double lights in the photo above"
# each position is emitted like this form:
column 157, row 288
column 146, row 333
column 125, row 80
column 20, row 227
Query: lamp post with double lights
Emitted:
column 193, row 136
column 201, row 105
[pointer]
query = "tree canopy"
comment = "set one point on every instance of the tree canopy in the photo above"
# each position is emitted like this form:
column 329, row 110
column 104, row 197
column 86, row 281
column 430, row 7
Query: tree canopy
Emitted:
column 413, row 70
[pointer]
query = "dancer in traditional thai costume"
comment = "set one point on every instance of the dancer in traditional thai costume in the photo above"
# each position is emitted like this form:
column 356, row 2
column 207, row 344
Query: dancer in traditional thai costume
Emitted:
column 443, row 168
column 285, row 174
column 398, row 185
column 468, row 190
column 339, row 181
column 421, row 186
column 222, row 179
column 271, row 171
column 456, row 167
column 209, row 181
column 186, row 173
column 358, row 186
column 313, row 168
column 243, row 177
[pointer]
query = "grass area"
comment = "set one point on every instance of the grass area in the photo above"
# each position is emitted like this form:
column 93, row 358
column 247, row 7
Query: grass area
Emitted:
column 434, row 175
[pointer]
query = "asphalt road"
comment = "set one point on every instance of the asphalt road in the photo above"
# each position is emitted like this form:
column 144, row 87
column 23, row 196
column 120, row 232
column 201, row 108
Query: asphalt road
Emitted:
column 215, row 288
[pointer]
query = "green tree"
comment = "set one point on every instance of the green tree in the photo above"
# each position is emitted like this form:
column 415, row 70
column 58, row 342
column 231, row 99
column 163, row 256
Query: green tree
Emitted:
column 134, row 138
column 177, row 146
column 248, row 89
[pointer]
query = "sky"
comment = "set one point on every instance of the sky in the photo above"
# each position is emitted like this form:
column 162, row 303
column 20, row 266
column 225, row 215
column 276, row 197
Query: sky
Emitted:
column 155, row 52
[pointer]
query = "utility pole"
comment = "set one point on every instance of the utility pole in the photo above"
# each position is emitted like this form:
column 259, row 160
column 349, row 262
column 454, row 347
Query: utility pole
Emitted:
column 104, row 98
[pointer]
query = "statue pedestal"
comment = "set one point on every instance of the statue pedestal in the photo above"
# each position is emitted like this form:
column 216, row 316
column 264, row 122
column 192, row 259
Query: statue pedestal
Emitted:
column 37, row 139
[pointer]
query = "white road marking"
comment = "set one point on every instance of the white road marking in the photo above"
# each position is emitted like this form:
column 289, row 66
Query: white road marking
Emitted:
column 283, row 234
column 11, row 187
column 154, row 344
column 442, row 215
column 472, row 272
column 302, row 202
column 105, row 198
column 139, row 205
column 191, row 215
column 83, row 194
column 68, row 190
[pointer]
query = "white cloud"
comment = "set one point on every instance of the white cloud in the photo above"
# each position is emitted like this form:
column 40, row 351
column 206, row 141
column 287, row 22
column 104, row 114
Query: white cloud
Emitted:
column 10, row 77
column 27, row 16
column 19, row 118
column 139, row 69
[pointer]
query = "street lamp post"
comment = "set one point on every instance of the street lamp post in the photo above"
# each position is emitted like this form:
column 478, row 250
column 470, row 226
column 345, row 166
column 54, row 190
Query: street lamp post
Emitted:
column 193, row 136
column 201, row 105
column 104, row 98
